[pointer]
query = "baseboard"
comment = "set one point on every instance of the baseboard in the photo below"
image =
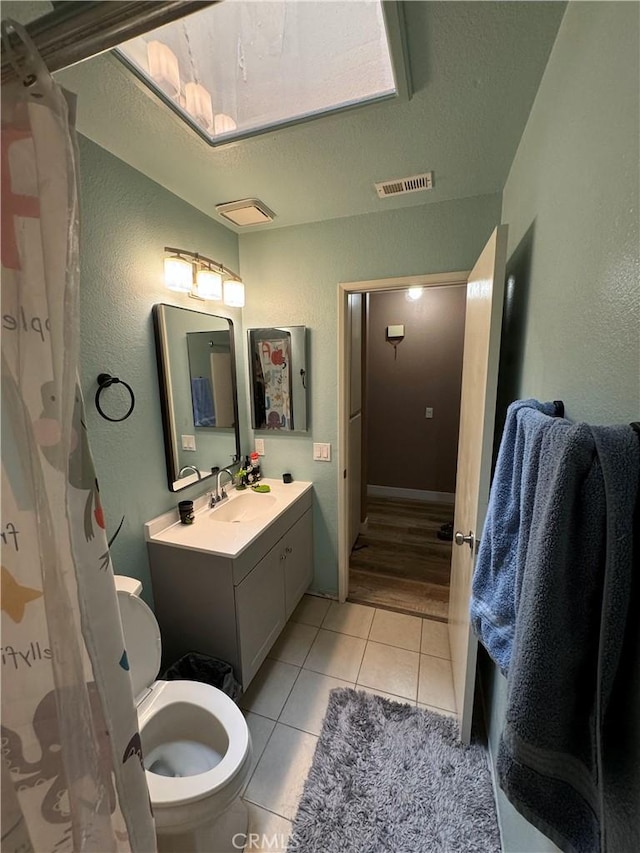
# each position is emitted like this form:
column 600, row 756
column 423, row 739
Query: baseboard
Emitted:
column 364, row 526
column 411, row 494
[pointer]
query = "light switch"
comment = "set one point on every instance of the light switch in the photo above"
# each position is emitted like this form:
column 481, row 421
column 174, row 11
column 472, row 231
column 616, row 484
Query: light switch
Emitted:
column 188, row 442
column 259, row 445
column 428, row 412
column 322, row 452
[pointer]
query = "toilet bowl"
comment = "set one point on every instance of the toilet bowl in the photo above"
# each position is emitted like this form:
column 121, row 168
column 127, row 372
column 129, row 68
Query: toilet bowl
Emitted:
column 195, row 741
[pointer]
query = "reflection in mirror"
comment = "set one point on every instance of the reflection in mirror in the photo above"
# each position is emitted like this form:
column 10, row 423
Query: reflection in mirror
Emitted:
column 196, row 367
column 278, row 367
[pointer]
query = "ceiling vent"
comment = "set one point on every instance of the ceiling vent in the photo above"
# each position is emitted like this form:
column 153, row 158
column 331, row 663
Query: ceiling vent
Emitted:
column 402, row 186
column 249, row 211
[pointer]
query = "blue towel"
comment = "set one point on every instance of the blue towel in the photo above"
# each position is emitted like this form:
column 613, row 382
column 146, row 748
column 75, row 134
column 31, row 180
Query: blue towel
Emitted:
column 553, row 761
column 503, row 545
column 202, row 399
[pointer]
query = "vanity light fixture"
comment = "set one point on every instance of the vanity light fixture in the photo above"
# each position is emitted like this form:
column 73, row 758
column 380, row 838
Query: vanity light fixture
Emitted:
column 199, row 105
column 202, row 277
column 234, row 293
column 178, row 273
column 164, row 68
column 209, row 284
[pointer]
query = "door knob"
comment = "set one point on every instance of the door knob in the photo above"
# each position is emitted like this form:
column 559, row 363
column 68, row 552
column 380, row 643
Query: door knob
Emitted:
column 460, row 539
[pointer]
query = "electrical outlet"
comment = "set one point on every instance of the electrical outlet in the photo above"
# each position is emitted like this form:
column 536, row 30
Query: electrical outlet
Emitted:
column 259, row 445
column 428, row 412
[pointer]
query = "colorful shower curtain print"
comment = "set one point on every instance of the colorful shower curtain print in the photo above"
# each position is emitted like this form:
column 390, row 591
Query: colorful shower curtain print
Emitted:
column 71, row 756
column 275, row 360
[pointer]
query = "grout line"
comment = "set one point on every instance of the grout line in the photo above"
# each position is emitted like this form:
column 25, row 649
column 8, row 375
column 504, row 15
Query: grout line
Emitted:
column 361, row 660
column 295, row 681
column 375, row 610
column 265, row 809
column 264, row 749
column 308, row 652
column 399, row 648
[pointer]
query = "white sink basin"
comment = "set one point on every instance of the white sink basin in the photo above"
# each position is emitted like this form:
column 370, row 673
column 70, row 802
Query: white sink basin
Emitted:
column 244, row 508
column 231, row 526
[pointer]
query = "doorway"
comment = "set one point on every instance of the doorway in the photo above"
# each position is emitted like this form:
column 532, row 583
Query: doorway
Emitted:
column 483, row 321
column 400, row 490
column 404, row 408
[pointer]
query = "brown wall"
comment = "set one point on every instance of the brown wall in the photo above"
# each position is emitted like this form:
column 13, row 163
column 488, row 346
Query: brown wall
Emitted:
column 405, row 449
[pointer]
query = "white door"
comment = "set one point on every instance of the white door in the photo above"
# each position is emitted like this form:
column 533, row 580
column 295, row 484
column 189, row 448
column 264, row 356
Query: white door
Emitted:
column 354, row 464
column 485, row 291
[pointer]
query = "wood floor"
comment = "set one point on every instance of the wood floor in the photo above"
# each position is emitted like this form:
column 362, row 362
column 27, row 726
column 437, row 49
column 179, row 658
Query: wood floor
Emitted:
column 400, row 563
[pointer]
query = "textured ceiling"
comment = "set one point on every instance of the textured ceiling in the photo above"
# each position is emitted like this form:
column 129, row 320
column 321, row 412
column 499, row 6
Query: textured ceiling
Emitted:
column 475, row 69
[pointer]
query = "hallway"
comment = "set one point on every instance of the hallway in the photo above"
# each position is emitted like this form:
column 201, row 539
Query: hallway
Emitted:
column 399, row 563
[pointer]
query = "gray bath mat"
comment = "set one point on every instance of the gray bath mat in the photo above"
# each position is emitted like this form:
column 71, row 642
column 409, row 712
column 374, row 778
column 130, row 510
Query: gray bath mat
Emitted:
column 389, row 777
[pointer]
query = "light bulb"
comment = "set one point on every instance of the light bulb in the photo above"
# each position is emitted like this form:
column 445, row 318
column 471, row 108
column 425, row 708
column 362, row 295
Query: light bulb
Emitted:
column 233, row 294
column 178, row 274
column 209, row 284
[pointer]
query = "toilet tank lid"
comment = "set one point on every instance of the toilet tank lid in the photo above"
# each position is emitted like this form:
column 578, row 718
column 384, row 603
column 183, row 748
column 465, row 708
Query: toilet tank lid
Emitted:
column 125, row 584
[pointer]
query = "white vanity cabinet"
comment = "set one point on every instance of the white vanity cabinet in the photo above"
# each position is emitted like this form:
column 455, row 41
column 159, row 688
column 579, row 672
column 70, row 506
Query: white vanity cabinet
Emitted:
column 233, row 608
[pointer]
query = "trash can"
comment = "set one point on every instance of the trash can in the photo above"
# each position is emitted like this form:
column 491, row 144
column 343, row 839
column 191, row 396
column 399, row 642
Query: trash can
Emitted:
column 195, row 666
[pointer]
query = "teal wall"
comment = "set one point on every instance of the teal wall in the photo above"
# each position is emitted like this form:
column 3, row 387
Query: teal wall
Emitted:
column 127, row 220
column 291, row 276
column 571, row 202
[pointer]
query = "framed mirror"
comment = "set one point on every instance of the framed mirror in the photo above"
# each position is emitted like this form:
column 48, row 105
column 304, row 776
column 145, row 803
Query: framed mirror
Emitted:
column 278, row 378
column 198, row 392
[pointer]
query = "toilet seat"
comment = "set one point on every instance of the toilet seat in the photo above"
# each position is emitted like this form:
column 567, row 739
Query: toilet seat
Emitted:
column 162, row 704
column 164, row 697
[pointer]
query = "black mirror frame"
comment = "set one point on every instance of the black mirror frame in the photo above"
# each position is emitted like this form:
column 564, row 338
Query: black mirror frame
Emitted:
column 165, row 404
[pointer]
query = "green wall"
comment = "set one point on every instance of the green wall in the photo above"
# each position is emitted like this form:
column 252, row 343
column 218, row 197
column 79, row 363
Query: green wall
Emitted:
column 127, row 220
column 571, row 202
column 291, row 276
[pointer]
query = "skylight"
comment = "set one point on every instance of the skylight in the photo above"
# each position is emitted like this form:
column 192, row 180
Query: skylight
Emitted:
column 240, row 68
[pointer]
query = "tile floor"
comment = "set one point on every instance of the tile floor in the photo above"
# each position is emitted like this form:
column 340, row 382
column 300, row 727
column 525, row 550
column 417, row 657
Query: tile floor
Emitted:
column 327, row 645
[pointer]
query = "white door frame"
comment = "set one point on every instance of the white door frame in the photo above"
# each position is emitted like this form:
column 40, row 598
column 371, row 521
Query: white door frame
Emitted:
column 344, row 289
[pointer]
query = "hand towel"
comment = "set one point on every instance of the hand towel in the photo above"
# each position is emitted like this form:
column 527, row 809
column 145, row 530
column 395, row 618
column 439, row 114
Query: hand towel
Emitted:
column 202, row 399
column 503, row 544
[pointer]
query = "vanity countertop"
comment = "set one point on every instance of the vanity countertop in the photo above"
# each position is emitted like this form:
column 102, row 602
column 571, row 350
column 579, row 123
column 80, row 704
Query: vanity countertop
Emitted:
column 225, row 538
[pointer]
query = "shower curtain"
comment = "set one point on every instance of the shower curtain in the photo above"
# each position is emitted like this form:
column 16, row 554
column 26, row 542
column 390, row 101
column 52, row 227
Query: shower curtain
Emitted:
column 71, row 754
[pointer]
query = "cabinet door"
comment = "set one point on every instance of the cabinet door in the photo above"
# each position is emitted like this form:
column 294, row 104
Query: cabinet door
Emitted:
column 260, row 611
column 297, row 546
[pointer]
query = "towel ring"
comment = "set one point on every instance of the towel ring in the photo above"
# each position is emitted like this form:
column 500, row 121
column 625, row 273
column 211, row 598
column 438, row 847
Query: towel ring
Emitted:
column 104, row 381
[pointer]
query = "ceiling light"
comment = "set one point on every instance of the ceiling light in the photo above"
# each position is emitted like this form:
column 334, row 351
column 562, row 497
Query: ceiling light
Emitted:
column 163, row 67
column 414, row 293
column 248, row 211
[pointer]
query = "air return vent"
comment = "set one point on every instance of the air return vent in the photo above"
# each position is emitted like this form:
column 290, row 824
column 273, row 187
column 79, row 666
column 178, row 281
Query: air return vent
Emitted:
column 401, row 186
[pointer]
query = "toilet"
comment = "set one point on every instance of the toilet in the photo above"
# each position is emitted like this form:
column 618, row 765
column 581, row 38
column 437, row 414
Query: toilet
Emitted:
column 195, row 741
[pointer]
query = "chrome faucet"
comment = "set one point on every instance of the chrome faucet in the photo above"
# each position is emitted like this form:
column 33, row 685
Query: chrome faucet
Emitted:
column 220, row 493
column 189, row 468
